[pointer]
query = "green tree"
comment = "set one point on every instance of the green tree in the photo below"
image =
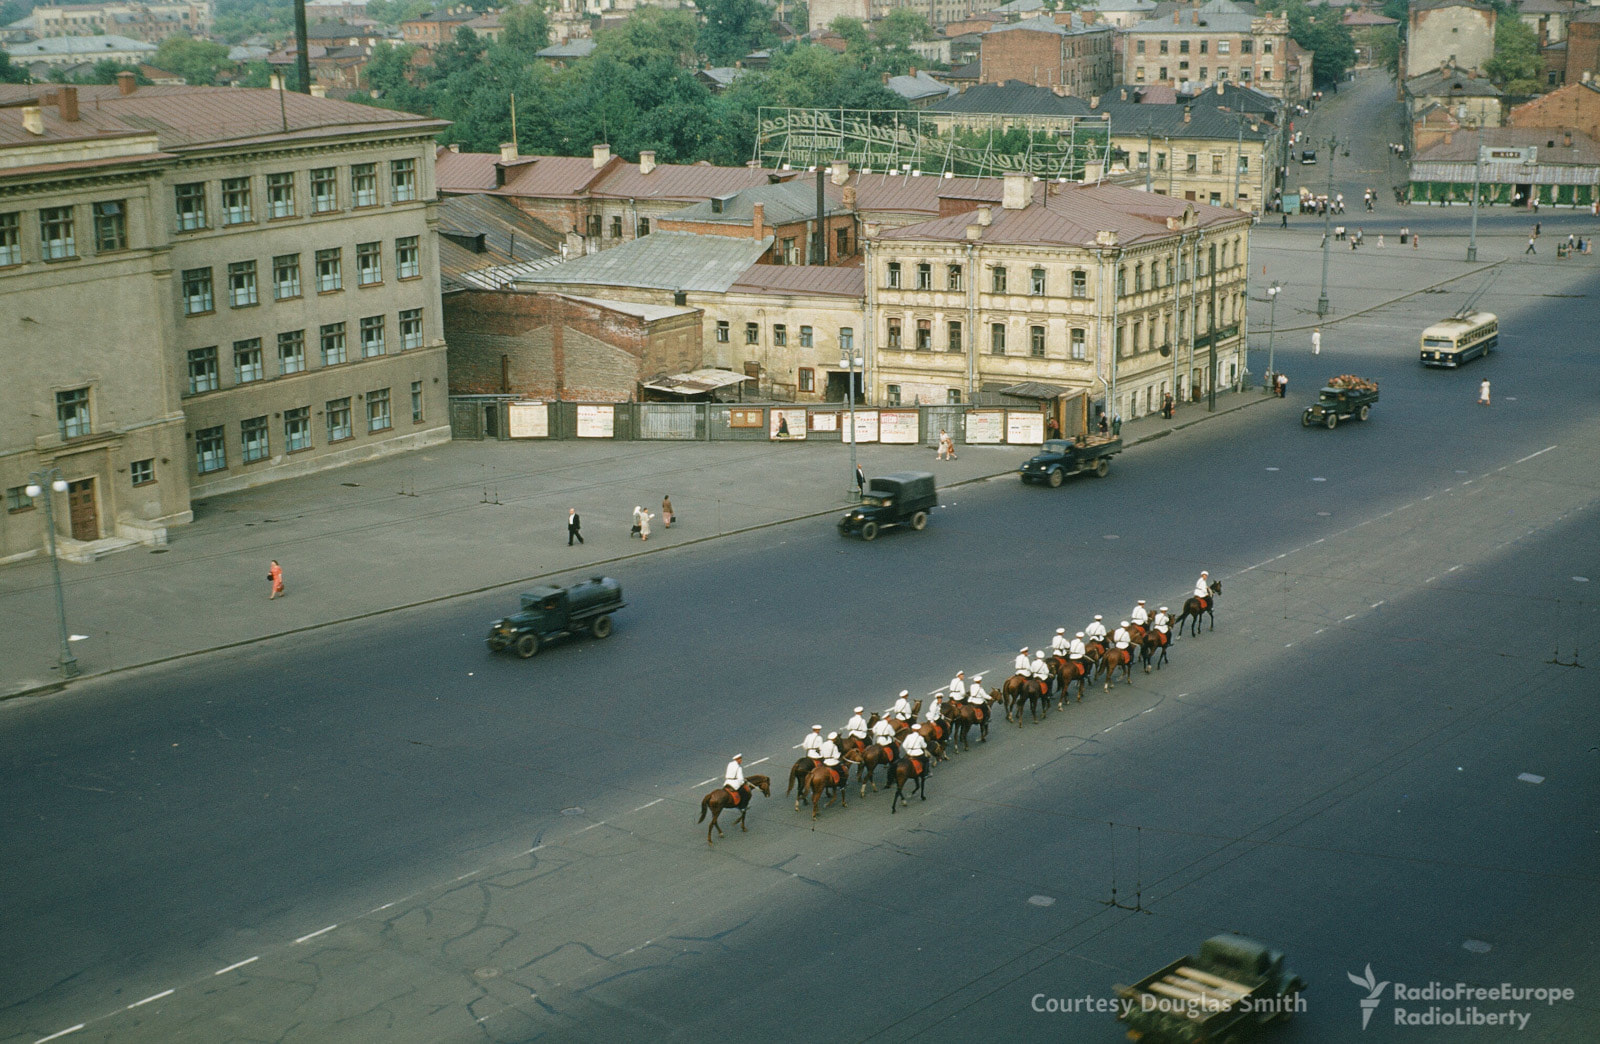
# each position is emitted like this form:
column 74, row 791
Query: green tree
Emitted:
column 10, row 73
column 105, row 72
column 734, row 28
column 1322, row 32
column 648, row 35
column 527, row 29
column 1516, row 67
column 197, row 61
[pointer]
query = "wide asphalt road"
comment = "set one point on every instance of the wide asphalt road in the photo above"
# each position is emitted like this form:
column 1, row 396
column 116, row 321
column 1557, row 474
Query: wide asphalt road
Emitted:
column 379, row 832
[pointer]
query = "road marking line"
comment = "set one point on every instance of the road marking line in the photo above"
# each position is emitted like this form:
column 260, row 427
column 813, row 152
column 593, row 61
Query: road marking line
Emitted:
column 1288, row 645
column 313, row 935
column 1319, row 630
column 657, row 801
column 241, row 964
column 1147, row 711
column 1352, row 616
column 1452, row 569
column 1103, row 731
column 152, row 997
column 591, row 826
column 1375, row 605
column 1430, row 580
column 530, row 851
column 468, row 874
column 753, row 764
column 703, row 782
column 63, row 1033
column 1530, row 456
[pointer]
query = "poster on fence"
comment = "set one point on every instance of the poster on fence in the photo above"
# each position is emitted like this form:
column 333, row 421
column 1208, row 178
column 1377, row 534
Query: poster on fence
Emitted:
column 866, row 426
column 986, row 426
column 824, row 421
column 530, row 420
column 898, row 426
column 596, row 422
column 1025, row 427
column 785, row 424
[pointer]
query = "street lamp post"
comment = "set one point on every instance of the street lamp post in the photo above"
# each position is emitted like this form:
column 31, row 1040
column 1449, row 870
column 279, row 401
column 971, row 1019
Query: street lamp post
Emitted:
column 1477, row 173
column 850, row 360
column 48, row 481
column 1327, row 217
column 1272, row 328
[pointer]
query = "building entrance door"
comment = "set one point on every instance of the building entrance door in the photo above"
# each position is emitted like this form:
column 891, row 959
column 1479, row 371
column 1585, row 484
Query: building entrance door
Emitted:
column 81, row 508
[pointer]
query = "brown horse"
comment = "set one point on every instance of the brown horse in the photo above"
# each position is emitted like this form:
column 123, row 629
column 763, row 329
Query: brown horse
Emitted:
column 1093, row 650
column 903, row 772
column 1019, row 689
column 798, row 773
column 875, row 755
column 1114, row 660
column 830, row 781
column 1069, row 671
column 935, row 732
column 723, row 798
column 1154, row 647
column 1195, row 608
column 965, row 717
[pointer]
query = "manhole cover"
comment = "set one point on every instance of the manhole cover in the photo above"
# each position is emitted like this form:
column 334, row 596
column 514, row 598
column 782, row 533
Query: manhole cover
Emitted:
column 1476, row 946
column 1325, row 514
column 487, row 973
column 1041, row 900
column 1319, row 478
column 573, row 811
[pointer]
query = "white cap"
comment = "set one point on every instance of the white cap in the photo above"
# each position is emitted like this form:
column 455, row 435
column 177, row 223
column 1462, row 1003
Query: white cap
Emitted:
column 858, row 710
column 1078, row 635
column 816, row 728
column 1162, row 609
column 738, row 757
column 961, row 674
column 1123, row 624
column 977, row 677
column 1097, row 616
column 905, row 692
column 833, row 735
column 1023, row 649
column 1141, row 601
column 1204, row 573
column 1061, row 630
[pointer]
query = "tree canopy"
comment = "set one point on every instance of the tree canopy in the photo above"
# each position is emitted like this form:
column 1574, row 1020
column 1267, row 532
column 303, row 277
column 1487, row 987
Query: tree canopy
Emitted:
column 1323, row 32
column 197, row 61
column 1516, row 67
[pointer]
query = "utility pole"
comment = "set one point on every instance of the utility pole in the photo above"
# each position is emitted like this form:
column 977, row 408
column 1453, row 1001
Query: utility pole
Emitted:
column 1477, row 174
column 1211, row 329
column 1149, row 154
column 1327, row 236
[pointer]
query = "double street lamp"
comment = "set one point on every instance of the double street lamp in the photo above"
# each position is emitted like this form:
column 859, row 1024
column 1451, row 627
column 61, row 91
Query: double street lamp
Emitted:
column 1272, row 327
column 47, row 481
column 1327, row 215
column 852, row 362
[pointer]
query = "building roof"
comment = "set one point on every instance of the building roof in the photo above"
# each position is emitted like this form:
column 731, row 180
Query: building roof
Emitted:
column 1432, row 5
column 1362, row 17
column 76, row 47
column 1157, row 94
column 781, row 204
column 648, row 312
column 1453, row 83
column 723, row 75
column 539, row 176
column 1115, row 6
column 1017, row 7
column 904, row 194
column 803, row 280
column 1012, row 98
column 582, row 47
column 661, row 261
column 1073, row 215
column 1550, row 143
column 508, row 236
column 1204, row 121
column 1047, row 24
column 191, row 117
column 918, row 86
column 1219, row 16
column 497, row 278
column 1546, row 7
column 679, row 181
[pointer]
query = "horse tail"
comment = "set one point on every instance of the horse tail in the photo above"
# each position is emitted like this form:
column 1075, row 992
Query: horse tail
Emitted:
column 705, row 803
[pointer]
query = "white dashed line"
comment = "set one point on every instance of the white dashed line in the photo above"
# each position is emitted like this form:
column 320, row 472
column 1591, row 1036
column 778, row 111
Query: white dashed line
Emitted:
column 657, row 801
column 1430, row 580
column 247, row 960
column 1530, row 456
column 591, row 826
column 63, row 1033
column 1352, row 616
column 313, row 935
column 468, row 874
column 1452, row 569
column 1103, row 731
column 753, row 764
column 703, row 782
column 1375, row 605
column 152, row 997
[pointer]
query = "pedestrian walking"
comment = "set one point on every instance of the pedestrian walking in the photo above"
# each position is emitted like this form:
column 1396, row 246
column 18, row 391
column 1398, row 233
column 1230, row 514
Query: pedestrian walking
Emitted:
column 1316, row 341
column 1283, row 386
column 1380, row 240
column 1105, row 426
column 1537, row 230
column 1168, row 407
column 638, row 520
column 644, row 525
column 574, row 524
column 667, row 514
column 944, row 441
column 861, row 481
column 1483, row 393
column 1415, row 240
column 1283, row 219
column 275, row 579
column 1530, row 249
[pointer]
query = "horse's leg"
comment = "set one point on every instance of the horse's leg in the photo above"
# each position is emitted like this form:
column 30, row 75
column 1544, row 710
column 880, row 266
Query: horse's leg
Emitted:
column 744, row 812
column 711, row 827
column 1212, row 617
column 894, row 801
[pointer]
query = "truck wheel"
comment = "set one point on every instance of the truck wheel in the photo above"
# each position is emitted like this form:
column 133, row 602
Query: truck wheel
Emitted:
column 919, row 521
column 600, row 627
column 1305, row 420
column 496, row 643
column 528, row 646
column 1055, row 478
column 869, row 531
column 1366, row 411
column 1102, row 467
column 1331, row 421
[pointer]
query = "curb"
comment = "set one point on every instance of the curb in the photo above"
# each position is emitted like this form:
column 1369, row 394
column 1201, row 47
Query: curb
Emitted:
column 59, row 685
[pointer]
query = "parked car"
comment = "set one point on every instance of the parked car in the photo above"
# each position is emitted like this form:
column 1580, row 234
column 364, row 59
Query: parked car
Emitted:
column 903, row 498
column 1308, row 157
column 550, row 611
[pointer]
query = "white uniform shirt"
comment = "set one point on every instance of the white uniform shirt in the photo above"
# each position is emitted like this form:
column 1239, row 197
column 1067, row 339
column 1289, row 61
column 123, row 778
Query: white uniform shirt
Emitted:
column 1162, row 622
column 958, row 689
column 1200, row 589
column 882, row 731
column 733, row 775
column 1140, row 615
column 934, row 712
column 1059, row 644
column 1022, row 663
column 1122, row 638
column 1075, row 650
column 857, row 727
column 829, row 752
column 1095, row 630
column 811, row 744
column 914, row 745
column 901, row 709
column 1038, row 668
column 976, row 694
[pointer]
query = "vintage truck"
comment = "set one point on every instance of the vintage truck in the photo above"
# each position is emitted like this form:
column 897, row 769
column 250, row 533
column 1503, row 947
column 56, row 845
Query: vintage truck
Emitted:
column 1232, row 986
column 1059, row 458
column 550, row 612
column 1340, row 399
column 903, row 498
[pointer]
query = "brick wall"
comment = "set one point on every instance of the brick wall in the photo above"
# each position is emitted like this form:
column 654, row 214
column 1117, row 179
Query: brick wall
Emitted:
column 1574, row 107
column 1021, row 55
column 1583, row 51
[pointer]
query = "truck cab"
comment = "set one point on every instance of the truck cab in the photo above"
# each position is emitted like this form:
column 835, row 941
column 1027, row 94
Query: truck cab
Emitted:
column 550, row 611
column 1059, row 458
column 904, row 497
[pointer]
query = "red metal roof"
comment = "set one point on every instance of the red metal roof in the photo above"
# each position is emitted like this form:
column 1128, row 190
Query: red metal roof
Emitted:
column 674, row 181
column 901, row 192
column 802, row 279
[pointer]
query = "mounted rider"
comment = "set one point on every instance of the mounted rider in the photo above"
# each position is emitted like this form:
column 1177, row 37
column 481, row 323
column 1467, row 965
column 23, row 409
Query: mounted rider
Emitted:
column 1075, row 649
column 811, row 746
column 883, row 732
column 829, row 751
column 901, row 711
column 1140, row 614
column 733, row 776
column 1023, row 665
column 934, row 712
column 1202, row 589
column 1096, row 631
column 1038, row 668
column 1121, row 638
column 958, row 687
column 856, row 727
column 1162, row 622
column 914, row 746
column 1059, row 644
column 976, row 696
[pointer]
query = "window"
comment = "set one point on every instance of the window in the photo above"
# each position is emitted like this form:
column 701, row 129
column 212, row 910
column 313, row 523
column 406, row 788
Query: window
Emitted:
column 752, row 333
column 1244, row 73
column 324, row 190
column 1204, row 73
column 142, row 472
column 924, row 277
column 997, row 338
column 253, row 439
column 416, row 402
column 364, row 184
column 235, row 201
column 1078, row 350
column 924, row 335
column 1266, row 74
column 1163, row 50
column 1139, row 47
column 210, row 452
column 17, row 499
column 369, row 263
column 247, row 361
column 197, row 298
column 1080, row 283
column 894, row 275
column 72, row 413
column 892, row 394
column 371, row 336
column 202, row 370
column 1163, row 72
column 10, row 239
column 953, row 335
column 330, row 271
column 643, row 228
column 1036, row 282
column 280, row 195
column 1036, row 342
column 402, row 180
column 806, row 340
column 1122, row 340
column 297, row 429
column 1247, row 46
column 1138, row 330
column 808, row 379
column 847, row 340
column 286, row 276
column 952, row 396
column 332, row 336
column 997, row 280
column 1138, row 74
column 1216, row 163
column 338, row 414
column 841, row 242
column 722, row 331
column 407, row 257
column 191, row 204
column 593, row 224
column 790, row 254
column 1205, row 45
column 1183, row 46
column 894, row 333
column 1192, row 163
column 1222, row 46
column 410, row 328
column 952, row 279
column 780, row 334
column 242, row 283
column 110, row 226
column 378, row 410
column 56, row 240
column 291, row 352
column 616, row 226
column 1122, row 281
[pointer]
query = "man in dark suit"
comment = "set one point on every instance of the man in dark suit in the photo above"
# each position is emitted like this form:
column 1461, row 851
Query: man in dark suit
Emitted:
column 573, row 525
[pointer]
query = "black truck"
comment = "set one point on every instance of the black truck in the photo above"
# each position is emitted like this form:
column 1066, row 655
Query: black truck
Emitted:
column 1343, row 397
column 1058, row 458
column 550, row 611
column 903, row 498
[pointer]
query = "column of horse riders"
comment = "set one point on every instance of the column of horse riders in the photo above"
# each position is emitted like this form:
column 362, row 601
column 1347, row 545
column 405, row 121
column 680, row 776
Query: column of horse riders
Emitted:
column 908, row 748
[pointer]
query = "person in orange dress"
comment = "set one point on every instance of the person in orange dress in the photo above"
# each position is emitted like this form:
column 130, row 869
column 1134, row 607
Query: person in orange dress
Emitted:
column 275, row 575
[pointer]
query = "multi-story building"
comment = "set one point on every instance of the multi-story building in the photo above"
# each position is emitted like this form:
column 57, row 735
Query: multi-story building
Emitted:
column 786, row 212
column 276, row 297
column 1220, row 147
column 1458, row 33
column 67, row 51
column 149, row 22
column 1061, row 51
column 1123, row 294
column 434, row 28
column 1575, row 106
column 1216, row 42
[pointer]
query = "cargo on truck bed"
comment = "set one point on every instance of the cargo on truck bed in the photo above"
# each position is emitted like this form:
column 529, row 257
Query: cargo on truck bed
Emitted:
column 1233, row 985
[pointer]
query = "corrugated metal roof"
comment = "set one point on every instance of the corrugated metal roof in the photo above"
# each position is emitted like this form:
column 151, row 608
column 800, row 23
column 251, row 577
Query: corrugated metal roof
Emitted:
column 648, row 312
column 1014, row 98
column 902, row 193
column 662, row 261
column 1047, row 24
column 781, row 204
column 695, row 382
column 509, row 236
column 1551, row 145
column 802, row 280
column 677, row 181
column 1450, row 83
column 499, row 277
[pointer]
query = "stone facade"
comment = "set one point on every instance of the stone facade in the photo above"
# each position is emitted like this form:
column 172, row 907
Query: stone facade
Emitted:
column 1458, row 33
column 1190, row 51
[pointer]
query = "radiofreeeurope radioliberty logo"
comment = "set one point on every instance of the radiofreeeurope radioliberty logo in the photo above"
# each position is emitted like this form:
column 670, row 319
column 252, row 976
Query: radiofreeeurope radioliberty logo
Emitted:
column 1432, row 1013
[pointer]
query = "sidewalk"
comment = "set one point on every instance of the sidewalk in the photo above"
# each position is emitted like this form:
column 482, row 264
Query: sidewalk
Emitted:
column 451, row 520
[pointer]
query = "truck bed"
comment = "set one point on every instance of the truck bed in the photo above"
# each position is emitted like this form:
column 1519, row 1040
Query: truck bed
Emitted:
column 1183, row 991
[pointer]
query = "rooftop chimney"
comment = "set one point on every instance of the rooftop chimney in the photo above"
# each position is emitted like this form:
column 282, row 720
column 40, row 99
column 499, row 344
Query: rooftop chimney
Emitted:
column 508, row 152
column 32, row 119
column 602, row 156
column 1188, row 113
column 1221, row 84
column 274, row 82
column 319, row 90
column 985, row 216
column 1124, row 94
column 841, row 171
column 1016, row 192
column 1566, row 138
column 758, row 220
column 647, row 160
column 1105, row 239
column 848, row 199
column 127, row 82
column 974, row 231
column 67, row 104
column 1094, row 101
